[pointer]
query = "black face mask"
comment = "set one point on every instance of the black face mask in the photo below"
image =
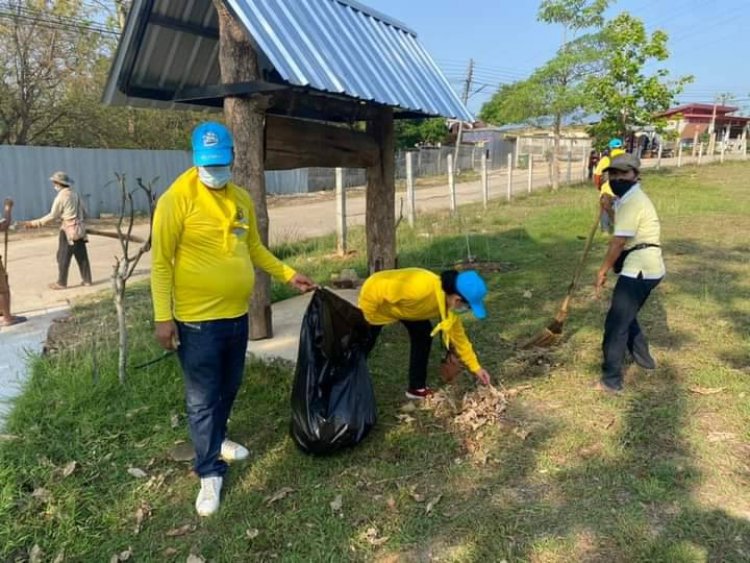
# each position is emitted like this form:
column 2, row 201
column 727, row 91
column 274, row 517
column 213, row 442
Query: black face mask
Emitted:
column 621, row 187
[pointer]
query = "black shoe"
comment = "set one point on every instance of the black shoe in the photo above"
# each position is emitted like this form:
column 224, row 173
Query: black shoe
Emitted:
column 646, row 361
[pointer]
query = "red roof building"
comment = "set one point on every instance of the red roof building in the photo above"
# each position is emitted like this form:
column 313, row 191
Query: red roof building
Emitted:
column 695, row 119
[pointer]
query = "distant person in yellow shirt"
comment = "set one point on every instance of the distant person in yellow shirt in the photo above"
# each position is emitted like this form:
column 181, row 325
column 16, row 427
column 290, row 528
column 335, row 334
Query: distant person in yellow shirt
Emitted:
column 635, row 255
column 414, row 296
column 205, row 246
column 606, row 196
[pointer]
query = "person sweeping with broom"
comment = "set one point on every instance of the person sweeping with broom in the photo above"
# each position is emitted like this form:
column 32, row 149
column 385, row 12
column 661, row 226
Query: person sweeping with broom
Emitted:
column 635, row 255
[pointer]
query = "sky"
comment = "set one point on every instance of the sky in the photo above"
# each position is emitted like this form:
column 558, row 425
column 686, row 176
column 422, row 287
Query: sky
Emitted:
column 707, row 39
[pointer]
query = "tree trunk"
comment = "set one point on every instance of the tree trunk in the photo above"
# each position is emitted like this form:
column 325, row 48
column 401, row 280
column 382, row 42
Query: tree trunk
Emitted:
column 380, row 197
column 118, row 284
column 246, row 119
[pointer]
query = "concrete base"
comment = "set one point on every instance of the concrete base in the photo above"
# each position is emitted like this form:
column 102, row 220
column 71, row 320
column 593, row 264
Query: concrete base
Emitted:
column 287, row 321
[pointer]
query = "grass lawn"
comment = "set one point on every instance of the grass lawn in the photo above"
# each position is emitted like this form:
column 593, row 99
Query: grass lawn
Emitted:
column 660, row 473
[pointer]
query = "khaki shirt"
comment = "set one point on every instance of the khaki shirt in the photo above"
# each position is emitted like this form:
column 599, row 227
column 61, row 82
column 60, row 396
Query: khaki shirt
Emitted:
column 67, row 207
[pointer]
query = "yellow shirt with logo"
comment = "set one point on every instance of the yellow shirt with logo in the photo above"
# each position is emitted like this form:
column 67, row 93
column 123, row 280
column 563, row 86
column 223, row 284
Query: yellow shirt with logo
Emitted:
column 636, row 220
column 602, row 165
column 205, row 245
column 414, row 294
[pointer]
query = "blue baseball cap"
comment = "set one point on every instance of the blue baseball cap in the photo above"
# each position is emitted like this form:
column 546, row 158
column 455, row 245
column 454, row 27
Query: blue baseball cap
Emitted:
column 212, row 145
column 615, row 144
column 473, row 290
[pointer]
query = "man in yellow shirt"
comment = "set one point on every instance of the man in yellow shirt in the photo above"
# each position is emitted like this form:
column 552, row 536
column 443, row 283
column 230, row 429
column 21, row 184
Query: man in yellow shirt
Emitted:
column 205, row 246
column 606, row 197
column 413, row 296
column 635, row 254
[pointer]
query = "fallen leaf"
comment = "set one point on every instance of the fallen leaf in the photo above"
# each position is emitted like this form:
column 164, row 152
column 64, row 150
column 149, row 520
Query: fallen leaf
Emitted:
column 59, row 558
column 182, row 451
column 278, row 495
column 705, row 390
column 522, row 433
column 137, row 473
column 36, row 554
column 513, row 391
column 141, row 514
column 170, row 552
column 432, row 503
column 252, row 533
column 122, row 556
column 391, row 503
column 336, row 503
column 8, row 437
column 527, row 294
column 417, row 497
column 132, row 413
column 183, row 530
column 405, row 418
column 371, row 535
column 42, row 494
column 195, row 559
column 174, row 420
column 67, row 471
column 408, row 407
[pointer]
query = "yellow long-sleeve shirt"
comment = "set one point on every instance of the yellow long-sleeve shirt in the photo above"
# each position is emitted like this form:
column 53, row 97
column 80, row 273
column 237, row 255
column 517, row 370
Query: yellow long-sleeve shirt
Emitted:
column 414, row 294
column 603, row 164
column 205, row 244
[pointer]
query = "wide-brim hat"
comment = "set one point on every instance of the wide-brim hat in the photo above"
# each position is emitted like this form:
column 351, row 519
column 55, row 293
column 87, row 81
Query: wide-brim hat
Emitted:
column 62, row 178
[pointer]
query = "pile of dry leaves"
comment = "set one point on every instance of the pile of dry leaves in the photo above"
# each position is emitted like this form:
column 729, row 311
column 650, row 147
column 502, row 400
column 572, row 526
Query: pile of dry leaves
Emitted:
column 475, row 409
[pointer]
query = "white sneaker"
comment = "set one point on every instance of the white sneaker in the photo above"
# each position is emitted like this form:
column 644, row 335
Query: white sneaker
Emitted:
column 232, row 451
column 209, row 496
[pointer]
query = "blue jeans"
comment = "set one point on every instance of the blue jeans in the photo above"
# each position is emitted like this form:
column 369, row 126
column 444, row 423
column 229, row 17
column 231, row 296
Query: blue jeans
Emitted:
column 621, row 329
column 212, row 355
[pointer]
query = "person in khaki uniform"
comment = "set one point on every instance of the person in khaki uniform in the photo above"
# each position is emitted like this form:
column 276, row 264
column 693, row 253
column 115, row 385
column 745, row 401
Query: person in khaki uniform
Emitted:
column 69, row 210
column 635, row 255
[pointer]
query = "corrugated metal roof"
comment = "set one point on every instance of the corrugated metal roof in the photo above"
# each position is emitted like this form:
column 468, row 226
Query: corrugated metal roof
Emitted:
column 335, row 46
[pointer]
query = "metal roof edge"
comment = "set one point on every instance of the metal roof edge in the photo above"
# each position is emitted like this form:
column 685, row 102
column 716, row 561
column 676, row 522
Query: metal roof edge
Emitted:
column 377, row 15
column 112, row 94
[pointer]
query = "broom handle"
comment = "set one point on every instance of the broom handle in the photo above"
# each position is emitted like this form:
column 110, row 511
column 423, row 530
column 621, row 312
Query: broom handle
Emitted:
column 581, row 263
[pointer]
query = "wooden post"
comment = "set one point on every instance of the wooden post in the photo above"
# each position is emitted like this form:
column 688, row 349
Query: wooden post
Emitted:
column 531, row 173
column 485, row 183
column 510, row 176
column 695, row 144
column 700, row 153
column 744, row 144
column 340, row 213
column 679, row 153
column 658, row 157
column 712, row 146
column 411, row 200
column 380, row 221
column 570, row 166
column 723, row 147
column 451, row 185
column 245, row 117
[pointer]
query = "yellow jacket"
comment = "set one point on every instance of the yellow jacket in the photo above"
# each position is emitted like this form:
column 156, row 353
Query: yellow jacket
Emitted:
column 205, row 244
column 414, row 294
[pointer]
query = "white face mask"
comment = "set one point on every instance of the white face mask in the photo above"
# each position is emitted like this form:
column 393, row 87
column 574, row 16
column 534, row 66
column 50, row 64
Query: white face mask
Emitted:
column 215, row 177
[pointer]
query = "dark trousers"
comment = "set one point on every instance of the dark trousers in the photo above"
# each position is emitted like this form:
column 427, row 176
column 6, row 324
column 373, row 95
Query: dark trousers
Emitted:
column 212, row 355
column 419, row 354
column 65, row 252
column 621, row 329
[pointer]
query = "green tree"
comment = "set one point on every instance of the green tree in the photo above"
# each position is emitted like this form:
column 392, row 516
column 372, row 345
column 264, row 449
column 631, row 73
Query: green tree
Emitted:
column 557, row 89
column 624, row 95
column 412, row 132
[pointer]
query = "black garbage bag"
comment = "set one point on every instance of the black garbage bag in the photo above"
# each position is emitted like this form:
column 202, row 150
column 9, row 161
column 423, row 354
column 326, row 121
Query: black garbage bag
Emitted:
column 333, row 402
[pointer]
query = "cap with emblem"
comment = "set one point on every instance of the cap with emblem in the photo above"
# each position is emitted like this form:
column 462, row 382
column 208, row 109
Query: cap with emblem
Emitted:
column 212, row 145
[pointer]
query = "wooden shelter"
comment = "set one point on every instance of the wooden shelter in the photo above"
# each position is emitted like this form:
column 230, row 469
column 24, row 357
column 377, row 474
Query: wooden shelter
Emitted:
column 312, row 71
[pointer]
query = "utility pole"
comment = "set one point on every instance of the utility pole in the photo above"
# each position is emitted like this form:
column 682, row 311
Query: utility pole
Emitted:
column 465, row 100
